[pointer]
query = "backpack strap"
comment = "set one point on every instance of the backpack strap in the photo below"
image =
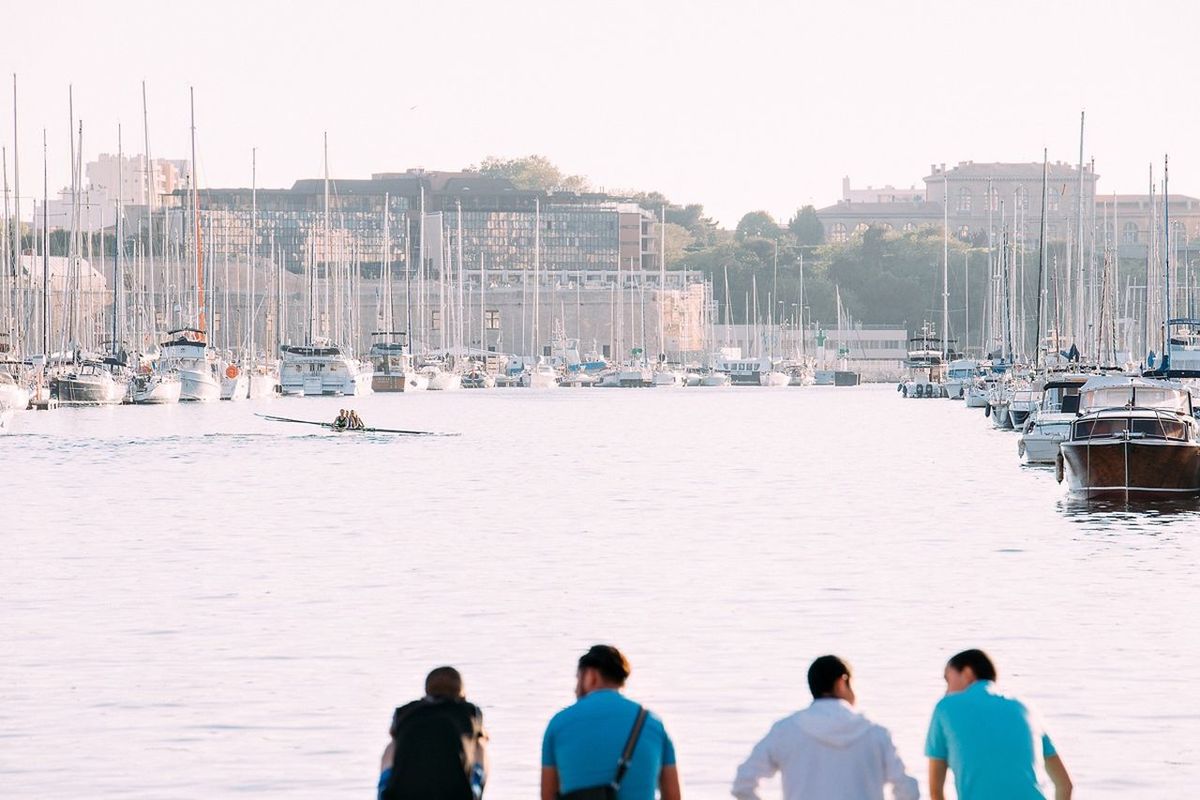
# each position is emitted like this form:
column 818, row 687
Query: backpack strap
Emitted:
column 630, row 744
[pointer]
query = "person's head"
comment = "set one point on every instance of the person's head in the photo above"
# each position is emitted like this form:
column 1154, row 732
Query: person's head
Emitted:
column 966, row 667
column 829, row 677
column 601, row 667
column 444, row 682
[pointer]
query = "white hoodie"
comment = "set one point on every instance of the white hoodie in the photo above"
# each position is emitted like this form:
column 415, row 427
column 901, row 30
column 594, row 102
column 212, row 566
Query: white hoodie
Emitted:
column 828, row 751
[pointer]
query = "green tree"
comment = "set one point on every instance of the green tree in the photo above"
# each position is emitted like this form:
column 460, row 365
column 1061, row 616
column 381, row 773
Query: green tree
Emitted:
column 758, row 224
column 806, row 227
column 531, row 172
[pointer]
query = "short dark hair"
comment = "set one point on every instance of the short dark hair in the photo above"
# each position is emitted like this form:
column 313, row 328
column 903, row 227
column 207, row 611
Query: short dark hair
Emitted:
column 824, row 674
column 977, row 660
column 608, row 661
column 444, row 682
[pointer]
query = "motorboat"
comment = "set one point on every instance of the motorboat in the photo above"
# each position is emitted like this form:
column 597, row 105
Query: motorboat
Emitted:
column 1135, row 437
column 752, row 372
column 393, row 365
column 478, row 378
column 669, row 376
column 1050, row 424
column 1023, row 402
column 235, row 382
column 960, row 374
column 187, row 352
column 90, row 383
column 155, row 387
column 626, row 376
column 321, row 368
column 540, row 376
column 925, row 365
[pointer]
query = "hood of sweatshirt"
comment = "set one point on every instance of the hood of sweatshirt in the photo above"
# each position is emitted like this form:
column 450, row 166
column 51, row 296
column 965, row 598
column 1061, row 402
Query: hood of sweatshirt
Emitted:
column 833, row 722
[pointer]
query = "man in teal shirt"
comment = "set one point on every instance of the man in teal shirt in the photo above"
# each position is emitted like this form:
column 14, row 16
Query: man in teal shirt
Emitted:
column 584, row 741
column 991, row 742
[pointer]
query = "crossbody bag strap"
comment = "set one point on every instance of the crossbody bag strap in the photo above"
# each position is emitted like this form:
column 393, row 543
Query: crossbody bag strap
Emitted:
column 630, row 744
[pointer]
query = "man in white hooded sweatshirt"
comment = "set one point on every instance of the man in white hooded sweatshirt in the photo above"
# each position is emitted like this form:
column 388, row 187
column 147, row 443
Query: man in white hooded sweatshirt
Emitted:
column 828, row 751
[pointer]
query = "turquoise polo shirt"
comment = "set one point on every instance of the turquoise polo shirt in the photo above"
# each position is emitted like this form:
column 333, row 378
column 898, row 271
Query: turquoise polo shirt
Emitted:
column 584, row 741
column 991, row 743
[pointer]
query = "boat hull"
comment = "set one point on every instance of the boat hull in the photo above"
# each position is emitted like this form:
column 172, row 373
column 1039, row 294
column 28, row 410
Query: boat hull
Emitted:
column 156, row 391
column 1127, row 468
column 198, row 386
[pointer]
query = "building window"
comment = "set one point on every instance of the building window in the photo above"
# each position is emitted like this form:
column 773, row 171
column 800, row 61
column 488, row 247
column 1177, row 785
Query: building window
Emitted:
column 1052, row 199
column 964, row 232
column 837, row 232
column 435, row 320
column 861, row 228
column 964, row 200
column 1129, row 233
column 909, row 227
column 993, row 199
column 491, row 320
column 1021, row 195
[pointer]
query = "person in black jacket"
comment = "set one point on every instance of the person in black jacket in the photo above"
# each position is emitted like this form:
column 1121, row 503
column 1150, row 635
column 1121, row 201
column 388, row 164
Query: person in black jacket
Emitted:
column 437, row 748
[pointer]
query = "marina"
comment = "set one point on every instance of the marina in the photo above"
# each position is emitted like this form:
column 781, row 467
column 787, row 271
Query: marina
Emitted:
column 259, row 627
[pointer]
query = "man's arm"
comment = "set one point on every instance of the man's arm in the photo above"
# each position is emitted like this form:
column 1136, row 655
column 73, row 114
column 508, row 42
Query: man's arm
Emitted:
column 668, row 784
column 904, row 786
column 549, row 783
column 389, row 756
column 1058, row 774
column 761, row 764
column 937, row 779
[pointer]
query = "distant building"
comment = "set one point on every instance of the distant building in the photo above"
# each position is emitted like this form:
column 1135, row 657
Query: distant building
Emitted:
column 1132, row 219
column 111, row 179
column 999, row 193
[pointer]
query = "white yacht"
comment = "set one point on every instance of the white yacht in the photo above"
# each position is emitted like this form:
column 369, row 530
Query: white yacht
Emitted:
column 152, row 386
column 1024, row 401
column 12, row 393
column 925, row 364
column 235, row 382
column 960, row 374
column 751, row 372
column 540, row 376
column 393, row 365
column 1050, row 425
column 668, row 376
column 187, row 352
column 322, row 368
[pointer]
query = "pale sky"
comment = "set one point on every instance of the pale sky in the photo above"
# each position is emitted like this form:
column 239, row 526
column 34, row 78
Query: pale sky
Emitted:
column 736, row 105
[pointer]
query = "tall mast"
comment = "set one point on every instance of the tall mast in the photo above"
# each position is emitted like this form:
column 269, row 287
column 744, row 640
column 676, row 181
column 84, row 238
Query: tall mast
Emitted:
column 251, row 313
column 1081, row 316
column 45, row 250
column 1166, row 201
column 1037, row 338
column 421, row 269
column 148, row 171
column 325, row 232
column 16, row 217
column 199, row 298
column 119, row 263
column 459, row 325
column 662, row 281
column 537, row 256
column 945, row 264
column 387, row 266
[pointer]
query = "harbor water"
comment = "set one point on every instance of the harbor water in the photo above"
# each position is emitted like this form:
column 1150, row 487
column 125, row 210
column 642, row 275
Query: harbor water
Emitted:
column 196, row 602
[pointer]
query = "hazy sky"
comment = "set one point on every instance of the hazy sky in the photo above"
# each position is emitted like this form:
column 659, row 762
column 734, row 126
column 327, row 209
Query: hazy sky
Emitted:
column 737, row 105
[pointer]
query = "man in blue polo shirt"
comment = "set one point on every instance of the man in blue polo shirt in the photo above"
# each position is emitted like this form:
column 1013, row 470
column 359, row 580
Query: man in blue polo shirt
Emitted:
column 584, row 742
column 991, row 742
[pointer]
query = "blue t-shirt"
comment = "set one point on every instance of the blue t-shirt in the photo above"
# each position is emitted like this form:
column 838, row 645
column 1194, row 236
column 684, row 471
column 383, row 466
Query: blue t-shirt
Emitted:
column 991, row 743
column 584, row 741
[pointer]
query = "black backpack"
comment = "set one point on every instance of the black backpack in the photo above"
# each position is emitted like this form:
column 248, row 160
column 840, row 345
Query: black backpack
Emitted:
column 437, row 742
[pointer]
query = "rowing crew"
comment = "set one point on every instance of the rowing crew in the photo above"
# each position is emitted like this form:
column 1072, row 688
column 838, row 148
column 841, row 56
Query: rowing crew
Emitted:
column 348, row 420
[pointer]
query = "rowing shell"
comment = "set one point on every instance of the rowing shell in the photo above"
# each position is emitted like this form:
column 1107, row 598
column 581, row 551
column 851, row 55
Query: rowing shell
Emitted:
column 330, row 426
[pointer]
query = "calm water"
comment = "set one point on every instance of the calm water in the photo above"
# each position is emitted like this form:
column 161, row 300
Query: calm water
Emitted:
column 196, row 602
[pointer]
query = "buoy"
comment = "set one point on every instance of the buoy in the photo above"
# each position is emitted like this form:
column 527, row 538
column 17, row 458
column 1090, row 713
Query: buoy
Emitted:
column 231, row 372
column 1058, row 467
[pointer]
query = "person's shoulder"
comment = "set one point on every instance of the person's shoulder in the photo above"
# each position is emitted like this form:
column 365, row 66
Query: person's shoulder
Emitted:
column 563, row 715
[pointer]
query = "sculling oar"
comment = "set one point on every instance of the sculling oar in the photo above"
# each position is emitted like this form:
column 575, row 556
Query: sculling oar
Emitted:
column 330, row 426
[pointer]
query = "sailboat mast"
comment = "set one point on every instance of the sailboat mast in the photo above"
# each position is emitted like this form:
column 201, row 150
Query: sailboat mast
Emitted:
column 945, row 263
column 537, row 273
column 251, row 316
column 199, row 297
column 148, row 172
column 1081, row 316
column 45, row 250
column 387, row 265
column 16, row 216
column 119, row 263
column 461, row 307
column 1166, row 201
column 1037, row 339
column 325, row 229
column 662, row 283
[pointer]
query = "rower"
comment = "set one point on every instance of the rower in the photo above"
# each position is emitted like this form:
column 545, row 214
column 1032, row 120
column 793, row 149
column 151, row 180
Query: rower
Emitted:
column 356, row 423
column 343, row 420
